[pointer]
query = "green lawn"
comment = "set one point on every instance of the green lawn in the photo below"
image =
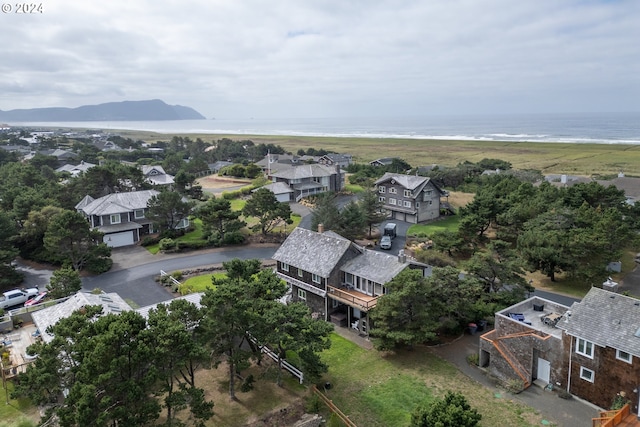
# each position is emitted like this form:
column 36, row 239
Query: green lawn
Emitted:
column 353, row 188
column 199, row 283
column 18, row 413
column 450, row 223
column 376, row 389
column 191, row 236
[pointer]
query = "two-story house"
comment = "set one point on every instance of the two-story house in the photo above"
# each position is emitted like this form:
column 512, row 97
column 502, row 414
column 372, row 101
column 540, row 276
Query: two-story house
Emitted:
column 409, row 198
column 591, row 349
column 121, row 216
column 339, row 280
column 307, row 180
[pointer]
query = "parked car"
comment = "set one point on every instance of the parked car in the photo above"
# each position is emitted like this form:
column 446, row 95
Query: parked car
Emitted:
column 36, row 300
column 16, row 297
column 385, row 242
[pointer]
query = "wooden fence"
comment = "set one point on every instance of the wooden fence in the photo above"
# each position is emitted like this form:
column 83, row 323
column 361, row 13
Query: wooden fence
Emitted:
column 333, row 408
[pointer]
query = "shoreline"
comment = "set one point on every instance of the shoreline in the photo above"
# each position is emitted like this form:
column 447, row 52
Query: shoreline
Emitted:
column 582, row 159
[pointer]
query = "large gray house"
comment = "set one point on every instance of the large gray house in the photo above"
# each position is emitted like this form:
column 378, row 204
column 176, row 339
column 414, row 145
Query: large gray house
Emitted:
column 409, row 198
column 339, row 280
column 121, row 216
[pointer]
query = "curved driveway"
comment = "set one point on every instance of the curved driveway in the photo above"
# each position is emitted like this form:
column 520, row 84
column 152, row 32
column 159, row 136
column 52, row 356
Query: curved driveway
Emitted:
column 136, row 283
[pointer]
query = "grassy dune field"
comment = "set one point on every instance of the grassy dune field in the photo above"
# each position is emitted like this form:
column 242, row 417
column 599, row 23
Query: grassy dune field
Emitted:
column 576, row 159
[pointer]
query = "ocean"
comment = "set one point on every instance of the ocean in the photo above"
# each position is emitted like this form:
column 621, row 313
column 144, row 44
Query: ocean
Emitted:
column 599, row 128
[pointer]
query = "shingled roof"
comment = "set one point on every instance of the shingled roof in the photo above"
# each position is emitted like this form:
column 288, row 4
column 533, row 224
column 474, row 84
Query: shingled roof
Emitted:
column 410, row 182
column 305, row 171
column 117, row 203
column 375, row 266
column 313, row 252
column 606, row 319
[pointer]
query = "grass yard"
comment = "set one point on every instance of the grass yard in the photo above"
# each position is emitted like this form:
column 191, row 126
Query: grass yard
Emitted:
column 19, row 412
column 199, row 283
column 377, row 389
column 450, row 223
column 191, row 236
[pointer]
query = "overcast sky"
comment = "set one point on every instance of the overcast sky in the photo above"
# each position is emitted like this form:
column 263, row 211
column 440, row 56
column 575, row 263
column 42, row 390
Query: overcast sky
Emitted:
column 326, row 58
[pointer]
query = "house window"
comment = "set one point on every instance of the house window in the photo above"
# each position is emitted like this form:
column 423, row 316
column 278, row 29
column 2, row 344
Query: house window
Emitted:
column 382, row 188
column 138, row 213
column 382, row 199
column 302, row 294
column 393, row 190
column 417, row 204
column 284, row 267
column 407, row 193
column 348, row 278
column 300, row 272
column 184, row 223
column 407, row 204
column 114, row 219
column 315, row 278
column 587, row 374
column 623, row 355
column 584, row 348
column 392, row 201
column 427, row 193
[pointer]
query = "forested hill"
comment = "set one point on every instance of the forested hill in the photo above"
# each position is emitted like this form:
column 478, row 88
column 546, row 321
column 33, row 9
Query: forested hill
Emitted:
column 154, row 109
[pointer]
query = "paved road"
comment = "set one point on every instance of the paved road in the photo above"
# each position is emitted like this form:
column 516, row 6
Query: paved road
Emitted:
column 136, row 283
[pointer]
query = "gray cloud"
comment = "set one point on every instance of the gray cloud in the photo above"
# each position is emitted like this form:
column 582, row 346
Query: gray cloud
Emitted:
column 289, row 59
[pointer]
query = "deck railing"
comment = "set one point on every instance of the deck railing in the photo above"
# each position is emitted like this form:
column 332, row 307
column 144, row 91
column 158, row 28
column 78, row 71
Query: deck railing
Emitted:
column 611, row 418
column 349, row 298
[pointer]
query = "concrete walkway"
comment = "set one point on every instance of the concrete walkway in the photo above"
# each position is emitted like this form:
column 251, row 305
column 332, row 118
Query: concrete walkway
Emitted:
column 559, row 412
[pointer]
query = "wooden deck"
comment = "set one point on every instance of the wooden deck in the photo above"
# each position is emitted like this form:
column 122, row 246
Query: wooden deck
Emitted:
column 352, row 298
column 620, row 418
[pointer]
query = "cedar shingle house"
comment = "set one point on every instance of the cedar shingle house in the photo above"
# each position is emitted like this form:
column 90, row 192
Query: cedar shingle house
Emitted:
column 409, row 198
column 339, row 280
column 591, row 349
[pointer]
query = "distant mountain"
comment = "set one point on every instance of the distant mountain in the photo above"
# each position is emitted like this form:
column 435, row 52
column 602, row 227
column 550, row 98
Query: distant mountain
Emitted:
column 154, row 109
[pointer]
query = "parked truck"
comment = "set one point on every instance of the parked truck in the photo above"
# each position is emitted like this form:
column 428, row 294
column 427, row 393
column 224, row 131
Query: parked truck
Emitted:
column 16, row 297
column 390, row 230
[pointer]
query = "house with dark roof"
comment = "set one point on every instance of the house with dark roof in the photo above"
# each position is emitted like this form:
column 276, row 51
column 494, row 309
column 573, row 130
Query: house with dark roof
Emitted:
column 121, row 216
column 409, row 198
column 385, row 161
column 307, row 180
column 333, row 159
column 339, row 280
column 630, row 186
column 591, row 349
column 155, row 175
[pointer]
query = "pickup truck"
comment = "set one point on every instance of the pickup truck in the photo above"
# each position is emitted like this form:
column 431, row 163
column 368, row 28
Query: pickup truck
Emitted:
column 16, row 297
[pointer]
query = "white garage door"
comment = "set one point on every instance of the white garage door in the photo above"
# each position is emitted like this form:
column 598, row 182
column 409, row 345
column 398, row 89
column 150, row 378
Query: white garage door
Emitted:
column 116, row 240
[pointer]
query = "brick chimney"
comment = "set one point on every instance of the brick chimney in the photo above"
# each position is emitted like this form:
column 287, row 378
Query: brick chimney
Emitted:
column 320, row 228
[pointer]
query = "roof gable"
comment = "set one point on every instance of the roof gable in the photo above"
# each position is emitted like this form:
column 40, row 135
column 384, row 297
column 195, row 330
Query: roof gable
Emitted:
column 607, row 319
column 313, row 252
column 410, row 182
column 118, row 203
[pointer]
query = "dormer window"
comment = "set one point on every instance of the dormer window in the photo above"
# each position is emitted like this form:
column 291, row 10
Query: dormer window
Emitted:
column 115, row 218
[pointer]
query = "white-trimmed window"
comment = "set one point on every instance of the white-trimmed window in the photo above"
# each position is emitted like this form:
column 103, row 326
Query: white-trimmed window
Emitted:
column 316, row 278
column 585, row 348
column 392, row 201
column 114, row 219
column 393, row 190
column 407, row 204
column 302, row 294
column 382, row 188
column 138, row 213
column 624, row 356
column 382, row 199
column 407, row 193
column 587, row 374
column 284, row 266
column 300, row 272
column 348, row 278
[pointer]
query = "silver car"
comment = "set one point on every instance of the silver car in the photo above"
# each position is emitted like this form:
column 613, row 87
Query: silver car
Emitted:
column 385, row 242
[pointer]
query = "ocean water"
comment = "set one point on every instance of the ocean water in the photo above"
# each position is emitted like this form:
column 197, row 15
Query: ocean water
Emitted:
column 603, row 128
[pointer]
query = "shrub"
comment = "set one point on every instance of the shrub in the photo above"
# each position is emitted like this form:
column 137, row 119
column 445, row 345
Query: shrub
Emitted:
column 177, row 275
column 514, row 385
column 99, row 265
column 234, row 238
column 564, row 394
column 313, row 404
column 149, row 240
column 473, row 359
column 167, row 244
column 193, row 245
